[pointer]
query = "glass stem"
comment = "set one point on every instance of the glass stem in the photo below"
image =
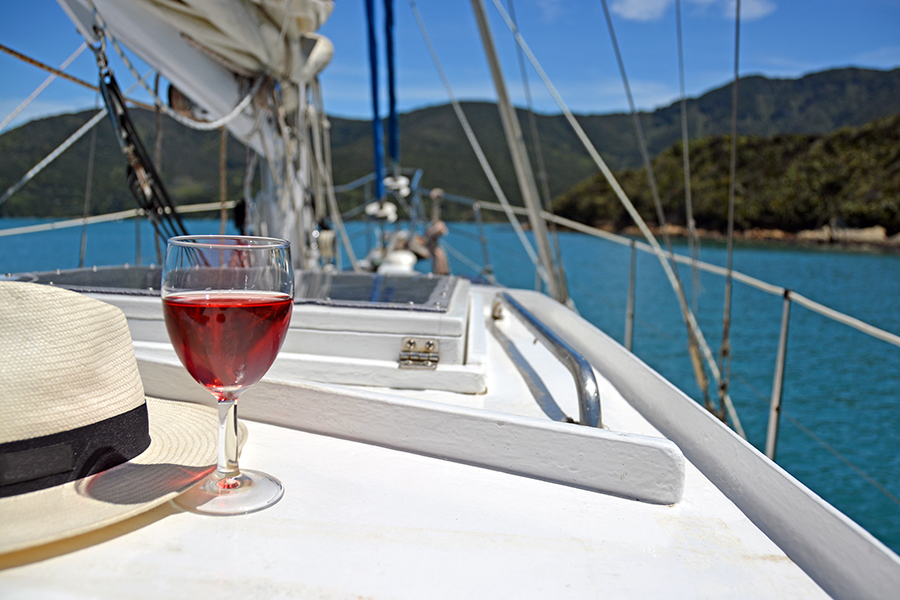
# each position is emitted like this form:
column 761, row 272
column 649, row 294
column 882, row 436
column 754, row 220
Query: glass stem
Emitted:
column 228, row 443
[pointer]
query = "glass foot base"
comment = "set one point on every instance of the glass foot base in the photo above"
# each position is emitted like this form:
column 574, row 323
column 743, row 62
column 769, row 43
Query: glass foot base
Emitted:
column 248, row 492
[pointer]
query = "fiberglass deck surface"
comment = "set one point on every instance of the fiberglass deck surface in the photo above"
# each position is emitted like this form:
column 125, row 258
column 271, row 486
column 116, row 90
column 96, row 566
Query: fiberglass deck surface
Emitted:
column 361, row 521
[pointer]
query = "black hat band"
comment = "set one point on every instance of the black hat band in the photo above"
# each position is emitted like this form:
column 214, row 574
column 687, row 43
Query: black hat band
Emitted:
column 58, row 458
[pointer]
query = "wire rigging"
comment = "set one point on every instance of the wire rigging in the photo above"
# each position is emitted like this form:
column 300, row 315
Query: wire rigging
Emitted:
column 43, row 85
column 539, row 159
column 476, row 147
column 626, row 203
column 693, row 237
column 88, row 186
column 825, row 445
column 98, row 116
column 693, row 344
column 725, row 350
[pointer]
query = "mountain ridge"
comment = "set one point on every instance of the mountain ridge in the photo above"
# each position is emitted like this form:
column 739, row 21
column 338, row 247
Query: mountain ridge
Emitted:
column 815, row 104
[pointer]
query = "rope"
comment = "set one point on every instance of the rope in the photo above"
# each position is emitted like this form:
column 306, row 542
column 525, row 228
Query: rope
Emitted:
column 159, row 104
column 470, row 135
column 323, row 164
column 223, row 179
column 158, row 142
column 187, row 121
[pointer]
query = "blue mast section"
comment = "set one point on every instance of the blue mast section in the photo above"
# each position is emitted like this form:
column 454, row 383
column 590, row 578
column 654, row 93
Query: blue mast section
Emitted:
column 393, row 125
column 377, row 136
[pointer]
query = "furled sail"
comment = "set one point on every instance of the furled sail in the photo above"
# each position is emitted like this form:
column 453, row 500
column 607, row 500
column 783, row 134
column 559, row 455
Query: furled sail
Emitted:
column 216, row 53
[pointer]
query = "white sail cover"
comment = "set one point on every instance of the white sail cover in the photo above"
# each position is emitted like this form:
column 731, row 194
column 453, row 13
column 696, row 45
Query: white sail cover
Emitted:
column 272, row 37
column 261, row 36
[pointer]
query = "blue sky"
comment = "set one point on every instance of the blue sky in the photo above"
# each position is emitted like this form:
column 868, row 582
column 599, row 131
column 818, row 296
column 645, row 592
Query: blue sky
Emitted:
column 779, row 38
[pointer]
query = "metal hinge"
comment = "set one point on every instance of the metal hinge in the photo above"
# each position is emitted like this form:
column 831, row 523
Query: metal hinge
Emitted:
column 419, row 353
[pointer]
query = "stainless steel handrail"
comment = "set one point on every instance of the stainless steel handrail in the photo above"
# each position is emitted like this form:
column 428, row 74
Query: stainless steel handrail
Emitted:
column 578, row 366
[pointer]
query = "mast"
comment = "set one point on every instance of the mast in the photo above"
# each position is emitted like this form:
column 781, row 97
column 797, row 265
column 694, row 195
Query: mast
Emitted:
column 516, row 142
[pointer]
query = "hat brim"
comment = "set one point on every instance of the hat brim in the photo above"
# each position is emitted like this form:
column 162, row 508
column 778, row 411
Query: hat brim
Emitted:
column 182, row 450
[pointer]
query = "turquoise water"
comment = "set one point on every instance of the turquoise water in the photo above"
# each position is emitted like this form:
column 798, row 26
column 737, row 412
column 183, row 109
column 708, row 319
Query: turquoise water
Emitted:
column 842, row 388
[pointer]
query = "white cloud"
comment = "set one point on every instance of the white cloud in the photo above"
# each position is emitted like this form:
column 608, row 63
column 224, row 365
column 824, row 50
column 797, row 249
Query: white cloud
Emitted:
column 886, row 57
column 550, row 9
column 750, row 9
column 640, row 10
column 652, row 10
column 647, row 94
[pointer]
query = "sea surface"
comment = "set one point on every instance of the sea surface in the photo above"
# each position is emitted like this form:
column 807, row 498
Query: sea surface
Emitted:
column 840, row 425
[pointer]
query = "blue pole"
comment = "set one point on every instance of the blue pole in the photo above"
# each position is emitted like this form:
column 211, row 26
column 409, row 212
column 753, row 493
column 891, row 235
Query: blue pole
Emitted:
column 393, row 125
column 377, row 136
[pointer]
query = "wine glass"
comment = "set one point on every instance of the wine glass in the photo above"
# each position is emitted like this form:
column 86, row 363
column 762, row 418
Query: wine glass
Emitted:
column 227, row 302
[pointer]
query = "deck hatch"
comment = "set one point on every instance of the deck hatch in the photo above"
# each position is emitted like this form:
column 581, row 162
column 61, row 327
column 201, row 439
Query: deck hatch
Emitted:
column 427, row 293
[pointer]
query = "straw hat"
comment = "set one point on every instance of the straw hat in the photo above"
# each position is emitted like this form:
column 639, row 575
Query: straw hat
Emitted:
column 80, row 445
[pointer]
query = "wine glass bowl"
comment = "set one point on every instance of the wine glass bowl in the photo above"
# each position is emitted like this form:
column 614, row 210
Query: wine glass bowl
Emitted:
column 227, row 303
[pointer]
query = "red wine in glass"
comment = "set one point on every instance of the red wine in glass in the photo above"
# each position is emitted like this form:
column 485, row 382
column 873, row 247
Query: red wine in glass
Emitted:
column 227, row 340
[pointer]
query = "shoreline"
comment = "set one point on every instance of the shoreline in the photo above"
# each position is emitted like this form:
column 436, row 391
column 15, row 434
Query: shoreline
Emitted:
column 874, row 238
column 867, row 238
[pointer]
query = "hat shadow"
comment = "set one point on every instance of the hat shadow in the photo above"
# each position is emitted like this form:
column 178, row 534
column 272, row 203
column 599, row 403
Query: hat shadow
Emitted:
column 131, row 483
column 126, row 484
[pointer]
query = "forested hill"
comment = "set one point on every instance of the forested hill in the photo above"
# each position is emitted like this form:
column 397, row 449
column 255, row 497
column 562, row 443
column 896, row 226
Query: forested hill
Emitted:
column 432, row 139
column 791, row 182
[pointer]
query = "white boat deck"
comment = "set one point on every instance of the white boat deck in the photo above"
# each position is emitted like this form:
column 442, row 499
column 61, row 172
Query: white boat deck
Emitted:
column 363, row 520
